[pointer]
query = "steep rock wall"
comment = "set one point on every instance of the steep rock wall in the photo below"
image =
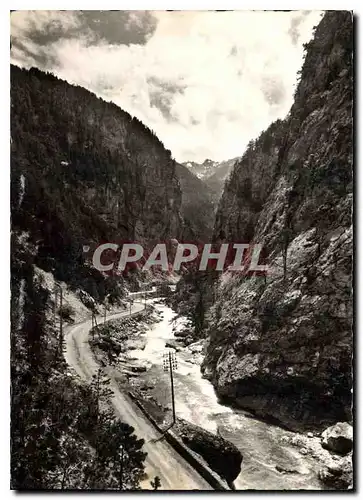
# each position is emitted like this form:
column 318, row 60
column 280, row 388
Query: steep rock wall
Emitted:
column 83, row 172
column 281, row 345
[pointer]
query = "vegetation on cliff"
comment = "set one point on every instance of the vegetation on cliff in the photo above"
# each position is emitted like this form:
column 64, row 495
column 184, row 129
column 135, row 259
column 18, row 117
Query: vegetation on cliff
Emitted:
column 63, row 435
column 282, row 345
column 83, row 172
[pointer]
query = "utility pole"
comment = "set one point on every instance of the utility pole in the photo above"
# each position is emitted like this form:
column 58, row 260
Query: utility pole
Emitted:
column 60, row 314
column 130, row 307
column 94, row 324
column 170, row 363
column 145, row 301
column 55, row 302
column 106, row 303
column 121, row 485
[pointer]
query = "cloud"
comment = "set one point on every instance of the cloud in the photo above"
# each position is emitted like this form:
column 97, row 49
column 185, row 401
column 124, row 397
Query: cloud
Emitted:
column 162, row 94
column 205, row 82
column 33, row 32
column 297, row 27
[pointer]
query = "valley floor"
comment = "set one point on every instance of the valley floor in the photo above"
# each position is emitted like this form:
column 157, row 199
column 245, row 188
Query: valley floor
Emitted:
column 273, row 458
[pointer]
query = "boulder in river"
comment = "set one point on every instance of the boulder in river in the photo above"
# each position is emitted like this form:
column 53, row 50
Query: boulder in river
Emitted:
column 338, row 438
column 196, row 347
column 338, row 476
column 181, row 333
column 138, row 368
column 221, row 455
column 173, row 344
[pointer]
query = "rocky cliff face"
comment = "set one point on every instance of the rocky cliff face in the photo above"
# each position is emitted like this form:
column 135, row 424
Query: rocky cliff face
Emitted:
column 84, row 172
column 197, row 206
column 216, row 180
column 281, row 345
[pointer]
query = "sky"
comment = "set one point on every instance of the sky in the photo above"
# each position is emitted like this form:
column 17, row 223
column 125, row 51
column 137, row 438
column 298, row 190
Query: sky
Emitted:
column 206, row 82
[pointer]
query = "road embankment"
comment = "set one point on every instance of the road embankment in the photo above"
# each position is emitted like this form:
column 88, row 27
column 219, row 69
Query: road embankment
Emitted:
column 191, row 457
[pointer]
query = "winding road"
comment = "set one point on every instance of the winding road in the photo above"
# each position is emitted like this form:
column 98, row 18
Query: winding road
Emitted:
column 162, row 460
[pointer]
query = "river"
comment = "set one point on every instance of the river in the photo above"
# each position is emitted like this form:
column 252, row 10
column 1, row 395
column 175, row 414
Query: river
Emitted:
column 264, row 446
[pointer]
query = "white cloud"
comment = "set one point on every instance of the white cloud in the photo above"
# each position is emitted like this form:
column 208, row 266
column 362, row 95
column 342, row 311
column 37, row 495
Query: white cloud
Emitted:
column 23, row 21
column 220, row 78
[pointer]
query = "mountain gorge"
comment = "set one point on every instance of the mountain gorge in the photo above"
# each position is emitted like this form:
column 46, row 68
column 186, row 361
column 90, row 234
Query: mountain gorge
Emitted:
column 83, row 172
column 212, row 173
column 276, row 345
column 86, row 172
column 281, row 345
column 197, row 206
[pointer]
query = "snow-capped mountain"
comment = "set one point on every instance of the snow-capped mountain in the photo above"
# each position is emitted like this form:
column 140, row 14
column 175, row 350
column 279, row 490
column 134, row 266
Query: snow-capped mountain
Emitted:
column 202, row 170
column 213, row 173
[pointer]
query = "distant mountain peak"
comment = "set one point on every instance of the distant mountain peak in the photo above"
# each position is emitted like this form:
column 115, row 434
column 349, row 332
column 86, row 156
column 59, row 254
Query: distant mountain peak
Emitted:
column 207, row 162
column 213, row 173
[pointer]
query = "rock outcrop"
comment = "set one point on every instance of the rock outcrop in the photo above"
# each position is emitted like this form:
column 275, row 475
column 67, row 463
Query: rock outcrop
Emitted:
column 338, row 476
column 221, row 455
column 338, row 438
column 281, row 344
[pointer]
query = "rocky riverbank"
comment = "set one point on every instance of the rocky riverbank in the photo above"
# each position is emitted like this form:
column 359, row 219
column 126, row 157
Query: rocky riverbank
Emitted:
column 273, row 457
column 219, row 454
column 113, row 342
